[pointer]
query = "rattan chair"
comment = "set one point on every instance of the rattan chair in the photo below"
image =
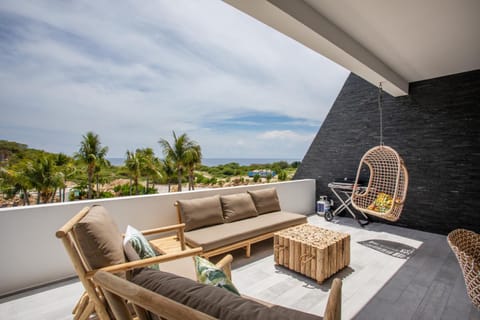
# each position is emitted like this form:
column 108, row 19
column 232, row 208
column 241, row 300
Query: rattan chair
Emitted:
column 466, row 246
column 388, row 179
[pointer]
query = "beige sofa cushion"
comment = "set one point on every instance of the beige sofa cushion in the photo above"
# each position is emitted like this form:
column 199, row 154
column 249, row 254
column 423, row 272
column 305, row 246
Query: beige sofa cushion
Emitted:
column 266, row 200
column 99, row 239
column 214, row 301
column 201, row 212
column 237, row 207
column 225, row 234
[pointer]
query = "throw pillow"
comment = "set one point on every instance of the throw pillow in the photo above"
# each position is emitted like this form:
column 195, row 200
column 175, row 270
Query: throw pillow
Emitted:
column 140, row 244
column 238, row 206
column 266, row 200
column 201, row 212
column 208, row 273
column 382, row 203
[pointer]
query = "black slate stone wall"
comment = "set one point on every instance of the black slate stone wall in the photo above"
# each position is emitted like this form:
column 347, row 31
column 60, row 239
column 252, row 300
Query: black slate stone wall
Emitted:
column 436, row 130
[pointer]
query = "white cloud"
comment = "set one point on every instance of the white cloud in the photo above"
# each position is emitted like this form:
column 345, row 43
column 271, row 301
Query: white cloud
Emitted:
column 133, row 73
column 287, row 135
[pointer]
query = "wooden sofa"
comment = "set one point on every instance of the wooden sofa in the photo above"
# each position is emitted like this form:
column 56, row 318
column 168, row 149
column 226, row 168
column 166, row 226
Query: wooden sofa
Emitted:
column 220, row 224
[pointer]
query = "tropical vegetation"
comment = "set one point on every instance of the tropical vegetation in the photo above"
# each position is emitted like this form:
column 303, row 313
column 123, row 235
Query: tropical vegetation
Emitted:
column 184, row 154
column 30, row 176
column 93, row 155
column 143, row 163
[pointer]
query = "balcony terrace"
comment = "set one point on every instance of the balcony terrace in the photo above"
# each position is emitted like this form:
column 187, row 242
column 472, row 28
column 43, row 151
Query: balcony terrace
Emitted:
column 395, row 273
column 426, row 55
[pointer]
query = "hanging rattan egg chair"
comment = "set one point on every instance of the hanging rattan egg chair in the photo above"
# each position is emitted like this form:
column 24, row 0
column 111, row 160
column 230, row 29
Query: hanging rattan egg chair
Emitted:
column 466, row 246
column 386, row 191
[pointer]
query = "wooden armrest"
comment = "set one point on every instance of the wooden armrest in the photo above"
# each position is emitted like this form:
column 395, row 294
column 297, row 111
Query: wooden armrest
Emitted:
column 149, row 300
column 333, row 311
column 146, row 262
column 178, row 227
column 226, row 265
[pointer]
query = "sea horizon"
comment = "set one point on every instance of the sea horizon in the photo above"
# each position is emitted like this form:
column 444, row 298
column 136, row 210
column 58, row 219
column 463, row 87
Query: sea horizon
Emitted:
column 211, row 162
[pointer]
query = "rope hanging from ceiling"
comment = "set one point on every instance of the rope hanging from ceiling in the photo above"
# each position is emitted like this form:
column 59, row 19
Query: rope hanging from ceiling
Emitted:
column 386, row 191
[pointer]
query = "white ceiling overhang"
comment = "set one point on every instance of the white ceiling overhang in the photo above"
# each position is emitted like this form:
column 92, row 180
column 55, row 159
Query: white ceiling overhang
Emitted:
column 393, row 42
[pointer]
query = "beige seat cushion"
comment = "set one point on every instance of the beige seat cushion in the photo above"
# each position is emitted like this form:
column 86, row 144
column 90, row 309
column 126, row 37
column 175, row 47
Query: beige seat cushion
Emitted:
column 237, row 207
column 201, row 212
column 222, row 235
column 266, row 200
column 99, row 239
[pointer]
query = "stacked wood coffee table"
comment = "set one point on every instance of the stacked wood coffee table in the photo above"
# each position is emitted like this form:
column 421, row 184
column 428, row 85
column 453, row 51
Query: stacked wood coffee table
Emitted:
column 315, row 252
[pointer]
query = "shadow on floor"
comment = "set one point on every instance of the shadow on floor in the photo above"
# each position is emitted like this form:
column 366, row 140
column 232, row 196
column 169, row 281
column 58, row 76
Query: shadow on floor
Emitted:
column 391, row 248
column 38, row 289
column 310, row 283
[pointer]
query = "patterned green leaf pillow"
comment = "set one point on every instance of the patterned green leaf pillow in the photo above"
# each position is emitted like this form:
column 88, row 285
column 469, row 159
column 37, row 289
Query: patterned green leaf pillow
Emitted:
column 208, row 273
column 140, row 244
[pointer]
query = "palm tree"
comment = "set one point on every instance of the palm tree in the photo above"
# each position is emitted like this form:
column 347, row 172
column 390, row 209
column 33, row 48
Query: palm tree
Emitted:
column 101, row 163
column 193, row 158
column 133, row 165
column 67, row 168
column 179, row 153
column 44, row 176
column 168, row 172
column 16, row 180
column 150, row 166
column 91, row 153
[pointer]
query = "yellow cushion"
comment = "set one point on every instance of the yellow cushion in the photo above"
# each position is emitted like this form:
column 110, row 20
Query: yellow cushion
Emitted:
column 382, row 203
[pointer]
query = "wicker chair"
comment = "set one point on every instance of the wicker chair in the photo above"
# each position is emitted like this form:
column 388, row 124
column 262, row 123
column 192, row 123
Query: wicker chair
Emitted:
column 388, row 177
column 466, row 246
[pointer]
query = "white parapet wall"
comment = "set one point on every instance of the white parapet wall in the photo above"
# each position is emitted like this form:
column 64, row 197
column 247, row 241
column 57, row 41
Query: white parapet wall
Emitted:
column 33, row 256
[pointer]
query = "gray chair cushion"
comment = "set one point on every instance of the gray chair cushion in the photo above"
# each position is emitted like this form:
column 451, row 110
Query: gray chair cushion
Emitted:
column 99, row 239
column 201, row 212
column 237, row 207
column 214, row 301
column 266, row 200
column 222, row 235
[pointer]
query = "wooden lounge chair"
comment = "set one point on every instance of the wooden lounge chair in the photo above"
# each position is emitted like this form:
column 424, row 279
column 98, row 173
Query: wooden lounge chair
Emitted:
column 145, row 300
column 93, row 242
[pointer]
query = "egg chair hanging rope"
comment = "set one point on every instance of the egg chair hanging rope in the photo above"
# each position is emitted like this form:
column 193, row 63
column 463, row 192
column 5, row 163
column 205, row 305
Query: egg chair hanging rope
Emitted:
column 386, row 191
column 379, row 99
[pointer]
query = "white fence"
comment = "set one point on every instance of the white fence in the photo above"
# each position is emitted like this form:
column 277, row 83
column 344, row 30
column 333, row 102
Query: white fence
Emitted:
column 32, row 255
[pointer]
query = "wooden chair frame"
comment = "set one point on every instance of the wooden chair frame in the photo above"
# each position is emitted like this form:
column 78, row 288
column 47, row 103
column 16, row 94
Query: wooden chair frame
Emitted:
column 93, row 300
column 169, row 309
column 144, row 300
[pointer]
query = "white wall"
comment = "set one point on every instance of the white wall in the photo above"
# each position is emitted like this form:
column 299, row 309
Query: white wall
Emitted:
column 31, row 255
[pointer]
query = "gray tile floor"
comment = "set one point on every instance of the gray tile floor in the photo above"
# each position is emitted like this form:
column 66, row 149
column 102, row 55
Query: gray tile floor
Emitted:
column 378, row 284
column 413, row 276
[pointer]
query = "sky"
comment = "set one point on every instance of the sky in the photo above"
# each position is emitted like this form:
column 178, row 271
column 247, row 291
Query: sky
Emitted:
column 134, row 71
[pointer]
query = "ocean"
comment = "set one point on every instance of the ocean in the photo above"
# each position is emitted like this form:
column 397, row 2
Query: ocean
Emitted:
column 210, row 162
